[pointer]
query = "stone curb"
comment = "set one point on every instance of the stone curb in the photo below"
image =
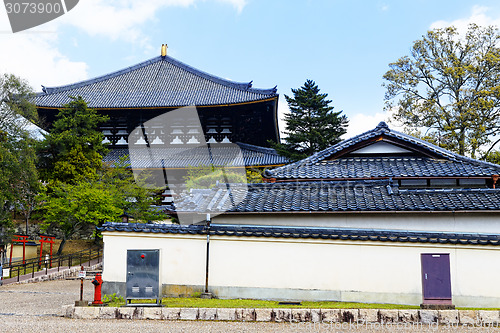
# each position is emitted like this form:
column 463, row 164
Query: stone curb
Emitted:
column 363, row 316
column 63, row 274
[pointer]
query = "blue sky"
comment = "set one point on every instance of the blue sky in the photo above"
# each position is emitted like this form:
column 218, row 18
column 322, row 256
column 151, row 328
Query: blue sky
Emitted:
column 345, row 46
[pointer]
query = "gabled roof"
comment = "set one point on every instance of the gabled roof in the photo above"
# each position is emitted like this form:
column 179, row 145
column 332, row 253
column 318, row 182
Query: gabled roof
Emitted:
column 337, row 196
column 312, row 233
column 221, row 156
column 429, row 160
column 158, row 82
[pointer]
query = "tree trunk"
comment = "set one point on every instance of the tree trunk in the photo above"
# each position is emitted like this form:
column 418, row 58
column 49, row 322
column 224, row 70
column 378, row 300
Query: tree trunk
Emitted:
column 61, row 246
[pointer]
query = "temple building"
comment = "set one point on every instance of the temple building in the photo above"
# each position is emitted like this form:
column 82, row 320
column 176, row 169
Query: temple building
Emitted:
column 227, row 112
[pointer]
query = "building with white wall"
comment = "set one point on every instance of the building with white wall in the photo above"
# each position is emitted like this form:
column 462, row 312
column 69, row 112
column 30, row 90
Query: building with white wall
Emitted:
column 381, row 217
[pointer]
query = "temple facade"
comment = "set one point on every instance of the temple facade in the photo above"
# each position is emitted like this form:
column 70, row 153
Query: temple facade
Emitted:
column 228, row 112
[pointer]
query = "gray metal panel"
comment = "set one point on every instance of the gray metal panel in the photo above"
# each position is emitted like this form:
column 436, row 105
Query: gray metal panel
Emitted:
column 143, row 274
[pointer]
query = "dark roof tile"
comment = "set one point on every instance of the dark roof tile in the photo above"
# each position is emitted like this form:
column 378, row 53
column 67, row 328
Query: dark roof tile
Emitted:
column 305, row 232
column 338, row 196
column 252, row 156
column 447, row 163
column 158, row 82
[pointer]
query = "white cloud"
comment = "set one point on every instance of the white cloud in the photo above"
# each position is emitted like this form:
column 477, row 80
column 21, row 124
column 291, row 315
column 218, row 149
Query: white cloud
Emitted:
column 33, row 56
column 382, row 6
column 358, row 123
column 238, row 4
column 124, row 19
column 478, row 16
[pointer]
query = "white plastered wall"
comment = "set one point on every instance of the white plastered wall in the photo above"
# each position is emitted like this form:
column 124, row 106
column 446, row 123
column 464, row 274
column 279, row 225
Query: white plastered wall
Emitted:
column 429, row 221
column 308, row 269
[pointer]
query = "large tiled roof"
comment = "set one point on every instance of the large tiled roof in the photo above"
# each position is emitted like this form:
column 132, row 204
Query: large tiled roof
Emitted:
column 182, row 158
column 309, row 233
column 158, row 82
column 444, row 163
column 338, row 196
column 385, row 167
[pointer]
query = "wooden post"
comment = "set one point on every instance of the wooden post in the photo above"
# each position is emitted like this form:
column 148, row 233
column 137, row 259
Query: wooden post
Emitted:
column 81, row 287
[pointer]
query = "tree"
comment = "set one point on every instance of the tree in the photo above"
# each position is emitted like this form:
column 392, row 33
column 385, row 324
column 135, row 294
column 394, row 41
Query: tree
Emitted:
column 132, row 196
column 493, row 157
column 19, row 183
column 311, row 125
column 208, row 176
column 73, row 149
column 450, row 87
column 27, row 185
column 75, row 208
column 83, row 192
column 16, row 108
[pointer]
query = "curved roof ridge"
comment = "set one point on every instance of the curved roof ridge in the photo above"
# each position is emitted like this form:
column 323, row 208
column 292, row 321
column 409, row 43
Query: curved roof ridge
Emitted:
column 259, row 149
column 382, row 128
column 53, row 90
column 244, row 86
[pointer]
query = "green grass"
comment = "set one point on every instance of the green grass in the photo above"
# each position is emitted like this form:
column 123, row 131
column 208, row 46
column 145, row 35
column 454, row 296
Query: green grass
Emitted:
column 193, row 302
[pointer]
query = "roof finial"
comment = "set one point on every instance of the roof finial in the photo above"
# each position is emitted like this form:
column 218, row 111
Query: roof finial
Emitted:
column 381, row 125
column 164, row 50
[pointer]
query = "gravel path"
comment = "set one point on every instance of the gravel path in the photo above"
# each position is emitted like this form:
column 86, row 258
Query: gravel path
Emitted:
column 36, row 307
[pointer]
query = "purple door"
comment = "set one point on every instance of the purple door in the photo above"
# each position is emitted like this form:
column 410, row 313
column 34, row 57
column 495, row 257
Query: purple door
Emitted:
column 436, row 282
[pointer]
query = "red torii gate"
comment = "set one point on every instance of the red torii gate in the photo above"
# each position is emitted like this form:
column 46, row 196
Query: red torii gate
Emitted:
column 19, row 239
column 49, row 240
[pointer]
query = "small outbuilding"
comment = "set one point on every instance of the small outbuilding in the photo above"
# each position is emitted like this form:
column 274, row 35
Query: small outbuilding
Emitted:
column 382, row 217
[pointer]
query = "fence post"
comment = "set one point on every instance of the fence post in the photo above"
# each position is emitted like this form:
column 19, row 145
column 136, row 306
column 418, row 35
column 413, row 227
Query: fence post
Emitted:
column 33, row 271
column 18, row 273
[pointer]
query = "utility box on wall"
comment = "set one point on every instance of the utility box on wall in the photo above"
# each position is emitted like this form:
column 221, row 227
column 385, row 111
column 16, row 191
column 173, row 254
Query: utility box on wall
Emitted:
column 143, row 275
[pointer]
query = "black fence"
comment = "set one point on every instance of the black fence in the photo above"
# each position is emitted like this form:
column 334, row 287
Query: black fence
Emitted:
column 33, row 265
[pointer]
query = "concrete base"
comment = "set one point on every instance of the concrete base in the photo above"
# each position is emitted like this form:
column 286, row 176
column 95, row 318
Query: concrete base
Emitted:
column 81, row 303
column 207, row 295
column 355, row 318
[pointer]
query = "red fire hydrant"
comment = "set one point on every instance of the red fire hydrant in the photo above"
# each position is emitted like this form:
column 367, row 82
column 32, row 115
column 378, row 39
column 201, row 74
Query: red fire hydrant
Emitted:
column 97, row 282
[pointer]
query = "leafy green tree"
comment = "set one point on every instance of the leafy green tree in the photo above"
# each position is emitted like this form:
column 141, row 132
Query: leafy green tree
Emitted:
column 207, row 176
column 16, row 108
column 450, row 87
column 19, row 183
column 75, row 207
column 27, row 185
column 131, row 195
column 73, row 149
column 493, row 157
column 311, row 125
column 254, row 175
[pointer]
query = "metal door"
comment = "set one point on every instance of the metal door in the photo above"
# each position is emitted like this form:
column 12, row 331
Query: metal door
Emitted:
column 436, row 281
column 143, row 274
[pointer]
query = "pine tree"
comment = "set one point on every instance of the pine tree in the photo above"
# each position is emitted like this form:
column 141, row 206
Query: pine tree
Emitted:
column 311, row 125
